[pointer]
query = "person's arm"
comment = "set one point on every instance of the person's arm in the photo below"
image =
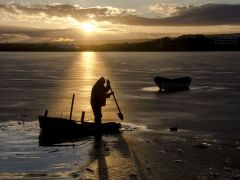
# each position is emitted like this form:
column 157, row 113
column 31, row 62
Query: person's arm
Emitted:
column 107, row 88
column 109, row 94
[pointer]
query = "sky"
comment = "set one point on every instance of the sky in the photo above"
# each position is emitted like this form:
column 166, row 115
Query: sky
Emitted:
column 92, row 21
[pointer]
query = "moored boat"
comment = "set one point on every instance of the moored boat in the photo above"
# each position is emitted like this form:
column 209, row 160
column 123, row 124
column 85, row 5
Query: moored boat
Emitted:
column 65, row 127
column 172, row 85
column 58, row 130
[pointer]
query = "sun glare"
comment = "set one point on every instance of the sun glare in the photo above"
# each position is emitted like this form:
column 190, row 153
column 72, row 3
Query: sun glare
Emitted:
column 87, row 27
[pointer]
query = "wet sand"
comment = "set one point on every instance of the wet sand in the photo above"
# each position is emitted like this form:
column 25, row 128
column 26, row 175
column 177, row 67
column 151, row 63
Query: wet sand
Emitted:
column 164, row 155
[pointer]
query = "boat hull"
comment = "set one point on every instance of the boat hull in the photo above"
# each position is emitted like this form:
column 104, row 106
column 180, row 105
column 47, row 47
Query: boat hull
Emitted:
column 172, row 85
column 64, row 127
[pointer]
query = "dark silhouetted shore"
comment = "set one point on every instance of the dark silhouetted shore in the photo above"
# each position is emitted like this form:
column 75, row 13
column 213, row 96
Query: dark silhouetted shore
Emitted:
column 197, row 42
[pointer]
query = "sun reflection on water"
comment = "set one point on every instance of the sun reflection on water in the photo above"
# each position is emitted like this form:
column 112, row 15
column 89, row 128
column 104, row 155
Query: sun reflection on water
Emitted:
column 79, row 80
column 87, row 60
column 84, row 70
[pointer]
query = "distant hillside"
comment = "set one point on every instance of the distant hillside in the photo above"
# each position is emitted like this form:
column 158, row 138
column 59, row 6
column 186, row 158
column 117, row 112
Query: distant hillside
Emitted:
column 198, row 42
column 181, row 43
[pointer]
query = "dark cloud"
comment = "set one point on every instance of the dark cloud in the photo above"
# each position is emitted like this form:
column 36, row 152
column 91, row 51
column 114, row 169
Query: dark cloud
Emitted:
column 208, row 14
column 204, row 15
column 31, row 34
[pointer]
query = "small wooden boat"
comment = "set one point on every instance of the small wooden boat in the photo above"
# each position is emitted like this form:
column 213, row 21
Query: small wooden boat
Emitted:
column 66, row 127
column 173, row 85
column 58, row 130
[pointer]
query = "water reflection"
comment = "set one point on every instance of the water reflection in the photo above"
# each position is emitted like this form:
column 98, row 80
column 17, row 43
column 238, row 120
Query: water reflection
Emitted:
column 88, row 60
column 34, row 175
column 22, row 158
column 80, row 76
column 79, row 79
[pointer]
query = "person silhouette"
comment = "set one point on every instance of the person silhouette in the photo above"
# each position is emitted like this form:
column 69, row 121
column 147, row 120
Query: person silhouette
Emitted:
column 98, row 98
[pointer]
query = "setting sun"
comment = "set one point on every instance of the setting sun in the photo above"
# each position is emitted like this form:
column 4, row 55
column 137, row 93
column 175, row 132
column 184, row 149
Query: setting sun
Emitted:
column 87, row 27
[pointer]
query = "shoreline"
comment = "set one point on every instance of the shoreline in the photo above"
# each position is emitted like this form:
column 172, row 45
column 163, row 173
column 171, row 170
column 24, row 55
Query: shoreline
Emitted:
column 136, row 153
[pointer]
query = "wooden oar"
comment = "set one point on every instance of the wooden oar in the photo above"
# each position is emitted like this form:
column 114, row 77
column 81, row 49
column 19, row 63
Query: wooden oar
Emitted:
column 120, row 115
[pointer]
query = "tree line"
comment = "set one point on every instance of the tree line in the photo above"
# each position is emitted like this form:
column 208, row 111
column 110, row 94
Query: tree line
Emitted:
column 181, row 43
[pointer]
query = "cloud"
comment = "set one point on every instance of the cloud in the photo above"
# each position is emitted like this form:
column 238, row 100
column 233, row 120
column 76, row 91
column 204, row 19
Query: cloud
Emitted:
column 166, row 10
column 31, row 34
column 202, row 15
column 171, row 14
column 54, row 12
column 6, row 37
column 207, row 14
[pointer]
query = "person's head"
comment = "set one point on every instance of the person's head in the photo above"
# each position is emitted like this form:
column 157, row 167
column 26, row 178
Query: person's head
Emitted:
column 101, row 80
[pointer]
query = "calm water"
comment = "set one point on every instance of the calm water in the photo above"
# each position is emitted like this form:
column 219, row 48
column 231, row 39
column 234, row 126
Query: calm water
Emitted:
column 33, row 82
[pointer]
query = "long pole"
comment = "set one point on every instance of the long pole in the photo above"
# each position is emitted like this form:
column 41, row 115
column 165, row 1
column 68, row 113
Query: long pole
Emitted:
column 72, row 106
column 115, row 100
column 120, row 114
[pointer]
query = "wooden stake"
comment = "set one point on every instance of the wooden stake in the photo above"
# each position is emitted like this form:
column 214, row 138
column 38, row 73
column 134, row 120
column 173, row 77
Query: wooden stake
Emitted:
column 82, row 117
column 46, row 113
column 72, row 106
